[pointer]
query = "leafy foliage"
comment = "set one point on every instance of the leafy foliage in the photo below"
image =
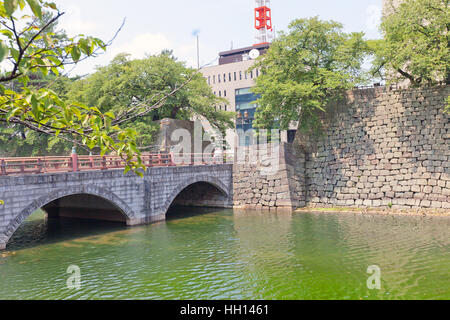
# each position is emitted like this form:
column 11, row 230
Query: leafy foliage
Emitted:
column 30, row 49
column 33, row 49
column 415, row 44
column 126, row 84
column 304, row 71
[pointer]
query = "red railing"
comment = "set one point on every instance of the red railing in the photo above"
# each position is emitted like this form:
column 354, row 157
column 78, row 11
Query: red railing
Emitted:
column 74, row 163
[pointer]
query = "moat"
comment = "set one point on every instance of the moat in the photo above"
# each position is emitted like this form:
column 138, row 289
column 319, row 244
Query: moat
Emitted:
column 226, row 254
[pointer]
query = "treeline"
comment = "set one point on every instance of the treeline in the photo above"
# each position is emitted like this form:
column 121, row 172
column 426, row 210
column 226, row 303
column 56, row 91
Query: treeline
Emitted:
column 315, row 61
column 122, row 85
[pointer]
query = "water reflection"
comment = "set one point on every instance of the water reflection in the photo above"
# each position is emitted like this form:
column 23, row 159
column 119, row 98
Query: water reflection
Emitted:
column 221, row 254
column 39, row 230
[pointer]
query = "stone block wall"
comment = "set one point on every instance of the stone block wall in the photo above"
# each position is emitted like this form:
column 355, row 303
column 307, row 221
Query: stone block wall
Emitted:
column 273, row 181
column 383, row 148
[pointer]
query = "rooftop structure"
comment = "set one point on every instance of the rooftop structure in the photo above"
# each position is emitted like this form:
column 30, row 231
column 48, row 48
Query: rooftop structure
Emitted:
column 263, row 22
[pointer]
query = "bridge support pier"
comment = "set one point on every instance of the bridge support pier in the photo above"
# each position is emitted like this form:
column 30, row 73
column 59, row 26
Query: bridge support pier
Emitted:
column 146, row 220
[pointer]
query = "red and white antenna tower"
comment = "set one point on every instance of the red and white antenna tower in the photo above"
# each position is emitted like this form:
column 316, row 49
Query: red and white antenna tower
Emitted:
column 263, row 22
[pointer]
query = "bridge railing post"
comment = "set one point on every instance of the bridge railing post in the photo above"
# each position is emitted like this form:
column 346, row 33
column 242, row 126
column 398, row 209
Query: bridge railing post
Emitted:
column 91, row 160
column 172, row 159
column 74, row 158
column 39, row 166
column 3, row 167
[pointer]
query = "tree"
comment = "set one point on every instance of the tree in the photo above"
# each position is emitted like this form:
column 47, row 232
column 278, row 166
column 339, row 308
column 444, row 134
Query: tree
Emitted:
column 28, row 48
column 18, row 141
column 304, row 71
column 415, row 44
column 15, row 140
column 126, row 84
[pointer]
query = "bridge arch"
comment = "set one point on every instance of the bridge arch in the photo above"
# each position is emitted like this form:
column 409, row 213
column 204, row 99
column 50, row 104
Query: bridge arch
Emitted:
column 61, row 193
column 213, row 181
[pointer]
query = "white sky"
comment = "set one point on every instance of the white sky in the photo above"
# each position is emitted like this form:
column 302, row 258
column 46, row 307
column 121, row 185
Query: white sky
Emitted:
column 153, row 25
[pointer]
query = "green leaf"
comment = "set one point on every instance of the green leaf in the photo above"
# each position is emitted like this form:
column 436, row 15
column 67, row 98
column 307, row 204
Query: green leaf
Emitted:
column 12, row 113
column 11, row 6
column 7, row 33
column 22, row 4
column 51, row 5
column 76, row 54
column 55, row 71
column 4, row 51
column 110, row 115
column 36, row 8
column 55, row 60
column 34, row 105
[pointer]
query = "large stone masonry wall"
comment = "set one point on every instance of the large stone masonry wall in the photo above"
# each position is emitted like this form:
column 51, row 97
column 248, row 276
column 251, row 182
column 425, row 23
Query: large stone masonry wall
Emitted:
column 273, row 180
column 383, row 148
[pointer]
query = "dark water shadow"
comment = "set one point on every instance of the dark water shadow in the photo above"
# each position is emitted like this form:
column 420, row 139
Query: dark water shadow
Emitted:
column 177, row 212
column 44, row 231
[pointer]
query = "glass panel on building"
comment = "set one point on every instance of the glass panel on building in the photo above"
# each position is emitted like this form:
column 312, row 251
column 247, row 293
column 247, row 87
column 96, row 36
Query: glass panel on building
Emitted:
column 246, row 109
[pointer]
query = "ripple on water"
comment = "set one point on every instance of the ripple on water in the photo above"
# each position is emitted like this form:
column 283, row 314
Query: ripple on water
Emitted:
column 221, row 255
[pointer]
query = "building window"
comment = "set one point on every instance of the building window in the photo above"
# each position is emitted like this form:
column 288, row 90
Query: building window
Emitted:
column 214, row 93
column 246, row 110
column 224, row 77
column 209, row 80
column 220, row 93
column 235, row 76
column 214, row 79
column 240, row 75
column 226, row 107
column 251, row 74
column 229, row 76
column 218, row 78
column 243, row 91
column 257, row 73
column 224, row 93
column 245, row 75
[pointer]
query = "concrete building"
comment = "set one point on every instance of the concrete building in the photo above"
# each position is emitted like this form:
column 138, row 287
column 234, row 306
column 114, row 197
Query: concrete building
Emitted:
column 231, row 79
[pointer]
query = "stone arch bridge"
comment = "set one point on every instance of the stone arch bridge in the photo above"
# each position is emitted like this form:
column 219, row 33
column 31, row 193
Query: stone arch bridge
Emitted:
column 111, row 195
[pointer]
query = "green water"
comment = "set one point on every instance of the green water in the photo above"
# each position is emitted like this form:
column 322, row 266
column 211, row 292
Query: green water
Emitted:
column 221, row 254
